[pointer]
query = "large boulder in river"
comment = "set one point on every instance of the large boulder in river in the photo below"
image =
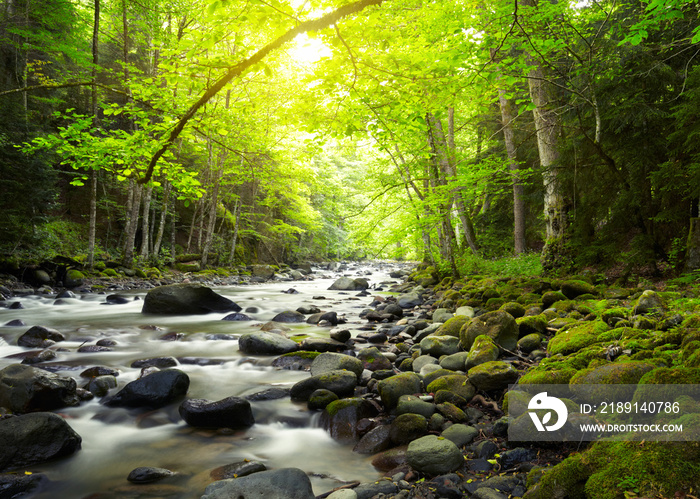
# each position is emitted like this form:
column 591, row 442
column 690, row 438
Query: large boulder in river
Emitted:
column 327, row 362
column 153, row 391
column 35, row 438
column 231, row 412
column 340, row 382
column 266, row 343
column 284, row 483
column 347, row 284
column 186, row 299
column 27, row 389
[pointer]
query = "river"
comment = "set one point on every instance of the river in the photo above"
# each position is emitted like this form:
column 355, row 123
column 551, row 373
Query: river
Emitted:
column 115, row 441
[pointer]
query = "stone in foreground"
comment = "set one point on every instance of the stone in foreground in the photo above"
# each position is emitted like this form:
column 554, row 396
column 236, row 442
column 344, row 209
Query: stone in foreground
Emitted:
column 231, row 412
column 35, row 438
column 284, row 483
column 434, row 455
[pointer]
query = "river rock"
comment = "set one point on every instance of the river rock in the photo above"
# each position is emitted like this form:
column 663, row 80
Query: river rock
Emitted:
column 145, row 474
column 327, row 362
column 322, row 345
column 340, row 418
column 289, row 316
column 409, row 300
column 237, row 470
column 434, row 456
column 342, row 383
column 284, row 483
column 237, row 316
column 438, row 346
column 348, row 284
column 500, row 326
column 153, row 391
column 494, row 375
column 373, row 359
column 375, row 440
column 407, row 427
column 186, row 299
column 28, row 389
column 264, row 343
column 35, row 438
column 15, row 485
column 231, row 412
column 40, row 336
column 460, row 434
column 483, row 350
column 391, row 389
column 649, row 301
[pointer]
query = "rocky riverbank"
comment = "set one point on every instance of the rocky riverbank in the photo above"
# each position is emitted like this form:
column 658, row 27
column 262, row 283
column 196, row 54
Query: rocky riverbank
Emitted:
column 423, row 388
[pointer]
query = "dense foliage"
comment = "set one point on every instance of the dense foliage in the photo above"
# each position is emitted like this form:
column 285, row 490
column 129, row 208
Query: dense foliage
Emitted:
column 446, row 131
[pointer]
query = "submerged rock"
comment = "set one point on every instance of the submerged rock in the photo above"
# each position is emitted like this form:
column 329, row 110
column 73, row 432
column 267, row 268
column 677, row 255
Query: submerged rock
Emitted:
column 348, row 284
column 264, row 343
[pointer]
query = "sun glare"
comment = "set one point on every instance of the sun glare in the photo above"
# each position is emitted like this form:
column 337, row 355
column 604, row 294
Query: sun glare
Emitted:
column 307, row 51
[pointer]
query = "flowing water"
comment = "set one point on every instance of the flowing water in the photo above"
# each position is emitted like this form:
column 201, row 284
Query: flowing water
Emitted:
column 115, row 441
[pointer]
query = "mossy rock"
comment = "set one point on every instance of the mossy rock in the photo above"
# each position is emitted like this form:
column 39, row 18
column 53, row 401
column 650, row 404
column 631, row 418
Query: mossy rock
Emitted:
column 672, row 376
column 407, row 427
column 490, row 293
column 391, row 389
column 73, row 278
column 455, row 383
column 498, row 325
column 649, row 301
column 483, row 350
column 531, row 324
column 513, row 308
column 566, row 480
column 616, row 373
column 494, row 375
column 530, row 342
column 653, row 469
column 99, row 266
column 622, row 333
column 187, row 266
column 614, row 313
column 452, row 326
column 574, row 288
column 110, row 273
column 551, row 297
column 548, row 376
column 494, row 303
column 529, row 298
column 565, row 306
column 576, row 338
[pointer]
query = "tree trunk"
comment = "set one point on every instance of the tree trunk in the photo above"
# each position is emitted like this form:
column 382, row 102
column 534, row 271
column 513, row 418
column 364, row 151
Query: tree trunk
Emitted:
column 132, row 224
column 95, row 122
column 163, row 215
column 234, row 237
column 216, row 177
column 507, row 117
column 556, row 208
column 145, row 220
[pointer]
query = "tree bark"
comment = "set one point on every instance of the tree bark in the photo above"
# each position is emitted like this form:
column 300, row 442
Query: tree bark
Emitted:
column 145, row 228
column 132, row 223
column 95, row 122
column 163, row 216
column 507, row 117
column 556, row 207
column 209, row 235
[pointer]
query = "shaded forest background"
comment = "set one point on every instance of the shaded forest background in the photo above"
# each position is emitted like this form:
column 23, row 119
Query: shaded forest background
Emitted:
column 452, row 132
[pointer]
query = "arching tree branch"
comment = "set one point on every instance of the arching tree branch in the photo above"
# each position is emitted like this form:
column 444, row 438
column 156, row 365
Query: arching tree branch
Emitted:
column 238, row 69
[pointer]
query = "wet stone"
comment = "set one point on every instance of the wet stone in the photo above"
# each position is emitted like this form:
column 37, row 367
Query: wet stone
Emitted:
column 235, row 470
column 148, row 475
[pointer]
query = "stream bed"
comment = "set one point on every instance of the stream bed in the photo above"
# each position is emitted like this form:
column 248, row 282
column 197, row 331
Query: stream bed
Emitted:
column 116, row 441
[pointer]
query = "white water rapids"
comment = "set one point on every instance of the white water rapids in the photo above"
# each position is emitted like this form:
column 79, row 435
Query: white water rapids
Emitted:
column 115, row 441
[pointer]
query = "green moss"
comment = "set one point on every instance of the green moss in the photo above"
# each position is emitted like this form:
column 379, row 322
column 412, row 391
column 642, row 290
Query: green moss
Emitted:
column 577, row 337
column 565, row 305
column 513, row 308
column 548, row 376
column 654, row 469
column 302, row 354
column 110, row 272
column 672, row 376
column 564, row 480
column 494, row 303
column 452, row 326
column 623, row 333
column 531, row 324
